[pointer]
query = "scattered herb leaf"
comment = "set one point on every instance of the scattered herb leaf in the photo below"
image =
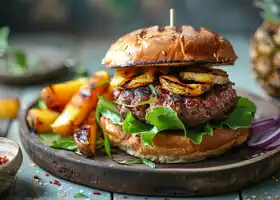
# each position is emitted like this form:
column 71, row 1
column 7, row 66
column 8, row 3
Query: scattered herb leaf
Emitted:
column 80, row 195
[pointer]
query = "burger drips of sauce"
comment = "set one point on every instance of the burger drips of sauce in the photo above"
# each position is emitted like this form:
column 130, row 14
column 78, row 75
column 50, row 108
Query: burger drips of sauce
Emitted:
column 174, row 104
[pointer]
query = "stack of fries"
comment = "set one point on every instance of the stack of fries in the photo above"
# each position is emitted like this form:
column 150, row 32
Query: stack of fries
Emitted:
column 70, row 110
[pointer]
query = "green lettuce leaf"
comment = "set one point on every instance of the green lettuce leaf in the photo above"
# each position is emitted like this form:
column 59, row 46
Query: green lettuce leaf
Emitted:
column 152, row 88
column 133, row 126
column 241, row 117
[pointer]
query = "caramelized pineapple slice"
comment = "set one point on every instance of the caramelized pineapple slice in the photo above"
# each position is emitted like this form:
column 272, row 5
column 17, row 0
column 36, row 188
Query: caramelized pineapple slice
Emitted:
column 172, row 84
column 122, row 76
column 141, row 80
column 214, row 76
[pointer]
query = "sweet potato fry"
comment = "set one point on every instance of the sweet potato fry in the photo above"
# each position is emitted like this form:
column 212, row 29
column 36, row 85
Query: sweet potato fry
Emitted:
column 58, row 95
column 81, row 104
column 109, row 94
column 41, row 120
column 9, row 108
column 85, row 136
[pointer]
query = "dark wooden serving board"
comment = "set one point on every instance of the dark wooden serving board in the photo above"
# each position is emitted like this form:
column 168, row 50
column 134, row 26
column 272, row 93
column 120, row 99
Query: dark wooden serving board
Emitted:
column 227, row 173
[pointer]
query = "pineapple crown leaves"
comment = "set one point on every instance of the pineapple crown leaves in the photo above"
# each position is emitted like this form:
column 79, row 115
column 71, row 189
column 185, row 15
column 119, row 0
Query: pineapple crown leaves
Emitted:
column 270, row 10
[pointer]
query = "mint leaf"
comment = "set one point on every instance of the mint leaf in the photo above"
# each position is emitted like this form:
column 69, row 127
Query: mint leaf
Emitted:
column 80, row 195
column 134, row 126
column 148, row 163
column 108, row 109
column 4, row 34
column 152, row 88
column 241, row 117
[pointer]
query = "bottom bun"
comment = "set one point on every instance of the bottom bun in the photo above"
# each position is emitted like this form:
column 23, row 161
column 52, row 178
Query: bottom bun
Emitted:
column 172, row 147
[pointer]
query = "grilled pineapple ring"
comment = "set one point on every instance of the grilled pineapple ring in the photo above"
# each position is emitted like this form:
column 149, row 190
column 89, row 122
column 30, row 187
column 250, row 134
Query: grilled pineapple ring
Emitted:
column 212, row 77
column 122, row 76
column 172, row 84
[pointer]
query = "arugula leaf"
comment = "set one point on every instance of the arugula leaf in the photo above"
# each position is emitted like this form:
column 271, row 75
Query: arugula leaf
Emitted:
column 54, row 140
column 41, row 105
column 129, row 162
column 68, row 144
column 134, row 126
column 241, row 117
column 148, row 163
column 107, row 145
column 48, row 138
column 152, row 88
column 4, row 34
column 80, row 195
column 108, row 109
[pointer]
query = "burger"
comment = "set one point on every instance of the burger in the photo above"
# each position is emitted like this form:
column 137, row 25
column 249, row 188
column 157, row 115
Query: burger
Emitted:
column 171, row 103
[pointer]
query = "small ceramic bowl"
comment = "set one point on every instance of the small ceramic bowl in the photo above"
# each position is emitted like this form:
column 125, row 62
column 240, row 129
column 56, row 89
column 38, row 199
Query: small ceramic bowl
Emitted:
column 9, row 170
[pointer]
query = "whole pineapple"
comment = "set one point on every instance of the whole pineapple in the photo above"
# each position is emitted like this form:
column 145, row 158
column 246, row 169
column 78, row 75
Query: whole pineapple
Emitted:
column 265, row 48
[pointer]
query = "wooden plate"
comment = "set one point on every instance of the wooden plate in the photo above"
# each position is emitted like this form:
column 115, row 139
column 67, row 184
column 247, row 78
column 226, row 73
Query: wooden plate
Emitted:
column 227, row 173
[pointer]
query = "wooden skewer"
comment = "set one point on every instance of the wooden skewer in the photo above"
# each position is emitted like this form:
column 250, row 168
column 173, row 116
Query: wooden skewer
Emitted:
column 171, row 17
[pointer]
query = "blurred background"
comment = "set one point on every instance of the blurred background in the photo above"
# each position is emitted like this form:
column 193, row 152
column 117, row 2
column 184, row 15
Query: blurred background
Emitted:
column 115, row 17
column 86, row 28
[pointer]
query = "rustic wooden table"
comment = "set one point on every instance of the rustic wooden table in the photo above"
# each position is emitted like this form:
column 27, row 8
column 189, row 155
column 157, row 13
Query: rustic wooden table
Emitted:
column 91, row 54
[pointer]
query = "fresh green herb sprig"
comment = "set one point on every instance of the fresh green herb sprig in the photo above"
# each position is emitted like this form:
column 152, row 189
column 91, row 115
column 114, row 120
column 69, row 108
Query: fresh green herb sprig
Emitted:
column 12, row 53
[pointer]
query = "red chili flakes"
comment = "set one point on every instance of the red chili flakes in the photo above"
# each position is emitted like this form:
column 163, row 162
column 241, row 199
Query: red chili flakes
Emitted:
column 46, row 174
column 56, row 182
column 3, row 159
column 96, row 193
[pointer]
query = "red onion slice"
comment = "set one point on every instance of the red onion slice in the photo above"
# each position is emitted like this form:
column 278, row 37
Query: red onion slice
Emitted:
column 274, row 145
column 260, row 125
column 265, row 138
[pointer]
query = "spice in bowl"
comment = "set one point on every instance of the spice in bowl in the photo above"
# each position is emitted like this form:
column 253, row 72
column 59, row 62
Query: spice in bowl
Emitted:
column 3, row 159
